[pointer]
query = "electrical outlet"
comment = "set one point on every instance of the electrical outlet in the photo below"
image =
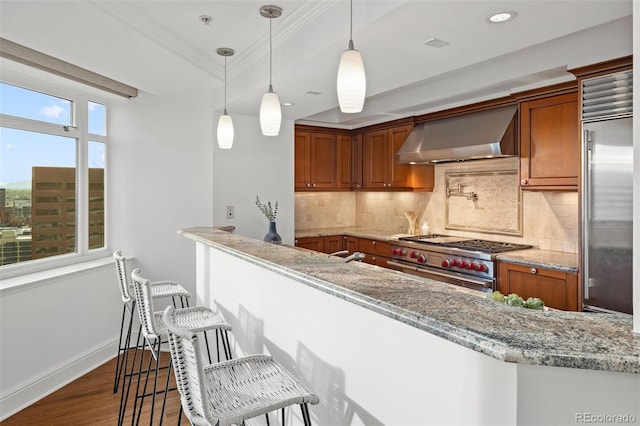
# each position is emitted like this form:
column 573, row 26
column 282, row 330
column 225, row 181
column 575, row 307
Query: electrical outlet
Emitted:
column 230, row 213
column 338, row 218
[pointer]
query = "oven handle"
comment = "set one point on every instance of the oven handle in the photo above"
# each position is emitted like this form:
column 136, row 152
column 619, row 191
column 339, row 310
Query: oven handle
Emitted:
column 479, row 282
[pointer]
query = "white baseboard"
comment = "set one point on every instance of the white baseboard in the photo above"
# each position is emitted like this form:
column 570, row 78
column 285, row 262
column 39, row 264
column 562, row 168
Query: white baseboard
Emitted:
column 30, row 392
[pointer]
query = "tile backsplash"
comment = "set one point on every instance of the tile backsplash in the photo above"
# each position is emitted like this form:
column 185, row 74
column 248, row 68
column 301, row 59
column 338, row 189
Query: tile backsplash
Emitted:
column 550, row 220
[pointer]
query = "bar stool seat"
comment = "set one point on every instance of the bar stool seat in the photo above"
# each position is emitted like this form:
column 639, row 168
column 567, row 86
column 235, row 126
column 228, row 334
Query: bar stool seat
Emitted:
column 196, row 319
column 233, row 391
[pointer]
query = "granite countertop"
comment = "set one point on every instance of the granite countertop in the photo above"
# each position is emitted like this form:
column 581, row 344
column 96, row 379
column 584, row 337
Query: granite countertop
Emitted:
column 592, row 341
column 567, row 262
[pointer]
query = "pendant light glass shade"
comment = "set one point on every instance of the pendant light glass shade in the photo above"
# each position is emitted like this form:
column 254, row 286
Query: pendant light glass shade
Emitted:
column 225, row 131
column 270, row 114
column 352, row 82
column 225, row 124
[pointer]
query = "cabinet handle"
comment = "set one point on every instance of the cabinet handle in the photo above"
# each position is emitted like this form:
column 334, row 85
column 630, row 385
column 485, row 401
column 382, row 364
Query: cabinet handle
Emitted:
column 523, row 182
column 308, row 185
column 314, row 185
column 296, row 242
column 534, row 270
column 374, row 243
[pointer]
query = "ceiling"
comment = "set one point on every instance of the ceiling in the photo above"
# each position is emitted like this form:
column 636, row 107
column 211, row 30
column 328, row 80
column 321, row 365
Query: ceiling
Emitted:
column 163, row 48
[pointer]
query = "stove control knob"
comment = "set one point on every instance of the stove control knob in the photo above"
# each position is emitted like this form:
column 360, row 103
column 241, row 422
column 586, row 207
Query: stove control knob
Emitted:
column 395, row 252
column 472, row 266
column 413, row 254
column 422, row 258
column 481, row 267
column 399, row 252
column 455, row 262
column 446, row 263
column 463, row 264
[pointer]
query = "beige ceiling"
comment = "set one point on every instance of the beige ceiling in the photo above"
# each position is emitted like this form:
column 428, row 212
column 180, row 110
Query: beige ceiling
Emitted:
column 162, row 48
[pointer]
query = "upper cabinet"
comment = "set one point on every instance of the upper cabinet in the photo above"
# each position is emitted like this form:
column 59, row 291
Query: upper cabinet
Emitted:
column 379, row 163
column 316, row 156
column 550, row 143
column 329, row 161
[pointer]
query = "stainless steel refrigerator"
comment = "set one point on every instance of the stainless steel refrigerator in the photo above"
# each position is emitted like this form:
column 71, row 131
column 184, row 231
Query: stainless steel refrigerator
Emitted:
column 607, row 193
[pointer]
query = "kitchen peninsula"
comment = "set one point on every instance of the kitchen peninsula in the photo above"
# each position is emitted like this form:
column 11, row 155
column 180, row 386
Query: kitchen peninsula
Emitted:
column 382, row 347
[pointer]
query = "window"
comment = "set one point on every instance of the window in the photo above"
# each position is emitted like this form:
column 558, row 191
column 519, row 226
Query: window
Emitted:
column 52, row 176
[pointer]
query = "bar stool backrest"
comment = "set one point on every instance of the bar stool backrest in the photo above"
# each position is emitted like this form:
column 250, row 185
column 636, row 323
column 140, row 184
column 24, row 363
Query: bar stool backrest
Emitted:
column 121, row 269
column 142, row 291
column 188, row 367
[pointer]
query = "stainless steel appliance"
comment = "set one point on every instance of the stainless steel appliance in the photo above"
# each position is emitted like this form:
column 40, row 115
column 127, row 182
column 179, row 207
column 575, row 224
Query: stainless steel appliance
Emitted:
column 607, row 193
column 457, row 260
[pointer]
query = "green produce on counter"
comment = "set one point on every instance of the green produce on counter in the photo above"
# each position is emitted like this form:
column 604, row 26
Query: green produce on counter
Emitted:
column 534, row 303
column 514, row 300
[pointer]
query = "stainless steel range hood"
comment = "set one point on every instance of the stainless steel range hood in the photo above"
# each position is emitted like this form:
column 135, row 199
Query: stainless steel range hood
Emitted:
column 484, row 134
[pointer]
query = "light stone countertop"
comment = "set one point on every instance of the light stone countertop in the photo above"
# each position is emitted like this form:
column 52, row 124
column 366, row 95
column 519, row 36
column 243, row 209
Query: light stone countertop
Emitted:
column 593, row 341
column 566, row 262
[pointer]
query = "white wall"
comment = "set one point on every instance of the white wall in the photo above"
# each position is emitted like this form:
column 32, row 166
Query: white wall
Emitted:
column 160, row 181
column 256, row 165
column 54, row 331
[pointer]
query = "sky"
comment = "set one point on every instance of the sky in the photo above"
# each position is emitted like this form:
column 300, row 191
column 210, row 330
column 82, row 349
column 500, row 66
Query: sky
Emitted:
column 20, row 150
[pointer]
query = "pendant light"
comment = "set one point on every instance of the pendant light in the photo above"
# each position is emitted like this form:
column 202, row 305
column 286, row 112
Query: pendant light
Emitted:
column 270, row 112
column 352, row 81
column 225, row 124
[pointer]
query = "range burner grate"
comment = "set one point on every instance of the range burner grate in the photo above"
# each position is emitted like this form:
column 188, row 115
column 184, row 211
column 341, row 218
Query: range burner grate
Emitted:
column 487, row 246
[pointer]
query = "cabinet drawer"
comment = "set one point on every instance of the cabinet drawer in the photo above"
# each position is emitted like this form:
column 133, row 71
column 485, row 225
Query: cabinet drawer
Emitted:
column 379, row 248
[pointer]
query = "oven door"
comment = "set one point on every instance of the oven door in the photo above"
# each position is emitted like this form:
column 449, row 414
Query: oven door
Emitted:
column 486, row 285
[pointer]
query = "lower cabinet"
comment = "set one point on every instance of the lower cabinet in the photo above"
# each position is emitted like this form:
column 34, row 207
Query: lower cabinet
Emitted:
column 311, row 243
column 377, row 252
column 558, row 289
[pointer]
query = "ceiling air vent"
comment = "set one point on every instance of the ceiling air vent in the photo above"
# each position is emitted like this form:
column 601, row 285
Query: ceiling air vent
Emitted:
column 607, row 96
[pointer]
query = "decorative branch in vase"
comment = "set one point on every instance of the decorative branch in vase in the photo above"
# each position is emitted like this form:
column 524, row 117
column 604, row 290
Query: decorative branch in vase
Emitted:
column 270, row 212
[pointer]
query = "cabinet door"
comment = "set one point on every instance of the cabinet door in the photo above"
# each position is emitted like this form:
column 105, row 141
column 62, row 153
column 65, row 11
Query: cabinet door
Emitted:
column 333, row 243
column 311, row 243
column 375, row 159
column 302, row 158
column 399, row 176
column 550, row 143
column 323, row 161
column 351, row 244
column 344, row 161
column 557, row 289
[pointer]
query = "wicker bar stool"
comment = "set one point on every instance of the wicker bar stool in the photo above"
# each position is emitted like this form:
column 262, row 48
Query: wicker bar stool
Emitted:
column 160, row 289
column 196, row 319
column 230, row 392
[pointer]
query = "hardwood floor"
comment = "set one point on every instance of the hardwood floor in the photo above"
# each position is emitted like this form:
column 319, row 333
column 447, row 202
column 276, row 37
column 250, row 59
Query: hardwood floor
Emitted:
column 89, row 400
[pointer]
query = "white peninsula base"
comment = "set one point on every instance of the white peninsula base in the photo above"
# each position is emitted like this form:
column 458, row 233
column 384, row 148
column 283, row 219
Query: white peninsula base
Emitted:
column 372, row 369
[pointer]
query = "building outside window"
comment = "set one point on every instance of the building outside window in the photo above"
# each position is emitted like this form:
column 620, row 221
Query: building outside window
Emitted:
column 52, row 175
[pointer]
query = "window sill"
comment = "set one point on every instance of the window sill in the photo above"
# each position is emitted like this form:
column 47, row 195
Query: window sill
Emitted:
column 53, row 273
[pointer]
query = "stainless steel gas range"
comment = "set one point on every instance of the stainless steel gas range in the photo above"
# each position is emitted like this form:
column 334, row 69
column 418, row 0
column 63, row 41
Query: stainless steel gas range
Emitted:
column 457, row 260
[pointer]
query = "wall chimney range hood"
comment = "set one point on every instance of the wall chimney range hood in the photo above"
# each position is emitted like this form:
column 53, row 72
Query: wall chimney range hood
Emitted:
column 484, row 134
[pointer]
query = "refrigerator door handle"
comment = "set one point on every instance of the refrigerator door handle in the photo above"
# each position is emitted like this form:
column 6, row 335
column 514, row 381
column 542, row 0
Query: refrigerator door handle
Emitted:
column 588, row 144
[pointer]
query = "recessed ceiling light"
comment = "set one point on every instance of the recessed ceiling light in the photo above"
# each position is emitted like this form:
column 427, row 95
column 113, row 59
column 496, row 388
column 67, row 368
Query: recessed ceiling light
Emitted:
column 287, row 104
column 500, row 17
column 311, row 92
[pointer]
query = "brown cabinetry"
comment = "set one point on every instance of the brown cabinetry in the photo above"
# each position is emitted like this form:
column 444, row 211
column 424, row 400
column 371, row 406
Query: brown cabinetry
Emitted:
column 377, row 252
column 550, row 143
column 333, row 243
column 558, row 289
column 315, row 161
column 380, row 166
column 311, row 243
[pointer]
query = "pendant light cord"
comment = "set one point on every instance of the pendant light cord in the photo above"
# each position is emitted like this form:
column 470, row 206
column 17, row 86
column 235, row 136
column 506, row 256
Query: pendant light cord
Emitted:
column 351, row 26
column 225, row 85
column 270, row 57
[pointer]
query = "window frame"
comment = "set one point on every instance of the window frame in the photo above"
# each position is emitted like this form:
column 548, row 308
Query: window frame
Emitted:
column 79, row 130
